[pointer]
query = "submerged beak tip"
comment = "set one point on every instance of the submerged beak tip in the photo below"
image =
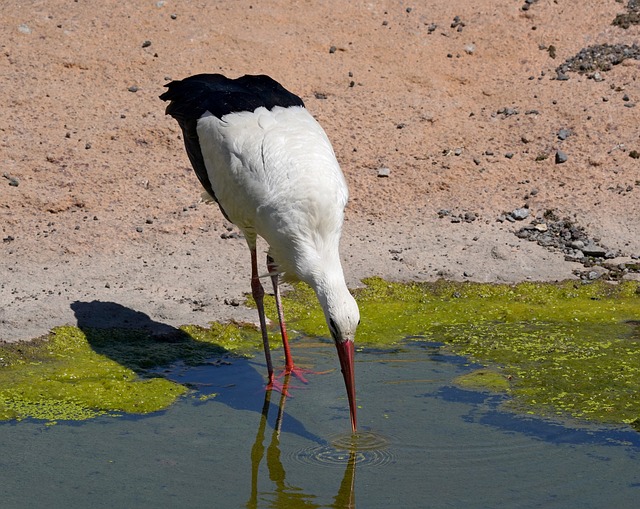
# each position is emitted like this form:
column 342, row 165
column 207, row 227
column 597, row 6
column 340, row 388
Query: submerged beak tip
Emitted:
column 345, row 354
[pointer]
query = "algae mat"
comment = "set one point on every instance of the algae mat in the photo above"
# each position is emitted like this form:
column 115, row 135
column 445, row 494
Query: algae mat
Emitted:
column 569, row 349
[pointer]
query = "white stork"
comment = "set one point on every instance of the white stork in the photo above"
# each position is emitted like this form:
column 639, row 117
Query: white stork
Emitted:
column 270, row 167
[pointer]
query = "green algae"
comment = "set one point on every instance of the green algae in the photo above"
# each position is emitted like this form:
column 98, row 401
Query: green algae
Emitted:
column 75, row 374
column 566, row 348
column 393, row 311
column 484, row 380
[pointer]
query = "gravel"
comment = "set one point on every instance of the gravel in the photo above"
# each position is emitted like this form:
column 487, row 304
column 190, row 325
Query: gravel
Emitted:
column 562, row 234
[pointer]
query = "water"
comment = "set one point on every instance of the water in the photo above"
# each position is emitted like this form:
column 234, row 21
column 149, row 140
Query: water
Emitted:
column 423, row 443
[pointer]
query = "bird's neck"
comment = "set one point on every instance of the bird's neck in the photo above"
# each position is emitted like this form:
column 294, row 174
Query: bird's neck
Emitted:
column 329, row 284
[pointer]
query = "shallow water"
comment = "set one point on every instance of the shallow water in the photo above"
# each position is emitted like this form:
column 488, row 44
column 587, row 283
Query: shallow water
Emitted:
column 422, row 443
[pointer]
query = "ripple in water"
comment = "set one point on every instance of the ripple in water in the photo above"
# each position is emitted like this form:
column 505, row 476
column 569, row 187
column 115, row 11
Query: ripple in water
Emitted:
column 362, row 448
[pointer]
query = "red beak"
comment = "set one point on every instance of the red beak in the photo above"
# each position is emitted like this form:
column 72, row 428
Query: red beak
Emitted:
column 345, row 354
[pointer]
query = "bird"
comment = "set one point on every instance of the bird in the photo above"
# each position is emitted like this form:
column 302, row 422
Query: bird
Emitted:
column 269, row 165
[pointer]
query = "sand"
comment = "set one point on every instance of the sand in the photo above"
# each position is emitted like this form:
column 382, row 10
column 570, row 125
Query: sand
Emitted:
column 456, row 102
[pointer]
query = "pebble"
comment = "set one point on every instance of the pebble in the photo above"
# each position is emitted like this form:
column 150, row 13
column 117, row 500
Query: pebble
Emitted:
column 13, row 181
column 572, row 240
column 520, row 214
column 598, row 58
column 384, row 172
column 592, row 249
column 133, row 88
column 457, row 23
column 561, row 157
column 563, row 134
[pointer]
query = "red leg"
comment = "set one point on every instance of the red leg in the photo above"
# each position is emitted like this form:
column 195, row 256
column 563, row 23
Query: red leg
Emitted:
column 289, row 367
column 272, row 268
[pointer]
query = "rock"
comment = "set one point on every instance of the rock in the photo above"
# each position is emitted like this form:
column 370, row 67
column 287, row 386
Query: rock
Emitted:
column 520, row 214
column 541, row 227
column 546, row 240
column 14, row 182
column 563, row 134
column 561, row 157
column 592, row 249
column 384, row 172
column 470, row 216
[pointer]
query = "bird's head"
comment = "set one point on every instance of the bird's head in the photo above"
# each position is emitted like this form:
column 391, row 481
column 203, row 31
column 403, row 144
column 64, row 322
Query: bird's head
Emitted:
column 343, row 316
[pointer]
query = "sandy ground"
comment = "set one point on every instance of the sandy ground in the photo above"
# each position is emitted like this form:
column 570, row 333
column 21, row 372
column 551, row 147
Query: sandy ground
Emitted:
column 99, row 210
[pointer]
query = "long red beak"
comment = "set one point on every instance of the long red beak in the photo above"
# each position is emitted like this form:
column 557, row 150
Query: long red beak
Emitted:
column 345, row 354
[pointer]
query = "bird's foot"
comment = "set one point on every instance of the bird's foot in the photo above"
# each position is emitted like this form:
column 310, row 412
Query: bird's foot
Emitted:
column 300, row 373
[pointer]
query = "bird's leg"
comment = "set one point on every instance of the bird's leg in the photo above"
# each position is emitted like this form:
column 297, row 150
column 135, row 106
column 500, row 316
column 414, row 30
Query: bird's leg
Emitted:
column 289, row 367
column 258, row 296
column 272, row 268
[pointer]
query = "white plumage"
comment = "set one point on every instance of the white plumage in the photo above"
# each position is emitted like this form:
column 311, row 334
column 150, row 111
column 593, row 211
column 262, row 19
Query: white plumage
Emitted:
column 272, row 170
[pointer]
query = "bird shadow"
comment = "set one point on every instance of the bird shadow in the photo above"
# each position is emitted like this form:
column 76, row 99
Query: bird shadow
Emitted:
column 155, row 349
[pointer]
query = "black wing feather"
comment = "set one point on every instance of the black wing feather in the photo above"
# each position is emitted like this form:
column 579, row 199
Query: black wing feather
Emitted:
column 192, row 97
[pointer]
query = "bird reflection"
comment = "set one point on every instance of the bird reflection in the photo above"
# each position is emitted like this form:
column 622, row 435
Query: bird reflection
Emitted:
column 286, row 495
